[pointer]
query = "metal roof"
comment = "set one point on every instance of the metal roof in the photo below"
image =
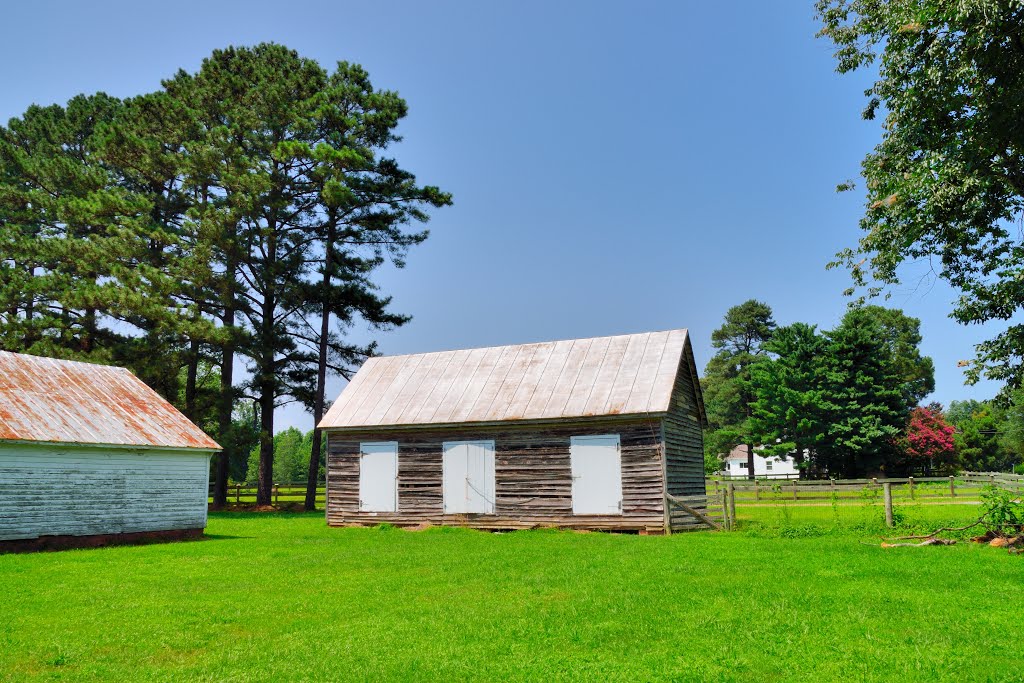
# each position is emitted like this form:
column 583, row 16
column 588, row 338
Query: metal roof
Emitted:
column 59, row 401
column 622, row 375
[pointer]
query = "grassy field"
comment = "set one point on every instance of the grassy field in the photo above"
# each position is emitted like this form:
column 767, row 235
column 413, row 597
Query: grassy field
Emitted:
column 282, row 597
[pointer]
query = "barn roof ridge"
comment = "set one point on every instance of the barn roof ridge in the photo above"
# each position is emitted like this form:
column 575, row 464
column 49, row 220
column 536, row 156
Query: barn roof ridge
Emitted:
column 615, row 375
column 536, row 343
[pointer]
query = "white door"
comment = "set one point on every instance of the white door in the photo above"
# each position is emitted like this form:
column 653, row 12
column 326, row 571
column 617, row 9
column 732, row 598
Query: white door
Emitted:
column 468, row 475
column 596, row 475
column 378, row 476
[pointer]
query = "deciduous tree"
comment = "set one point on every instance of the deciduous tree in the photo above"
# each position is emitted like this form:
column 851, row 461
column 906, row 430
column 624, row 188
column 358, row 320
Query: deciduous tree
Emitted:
column 945, row 185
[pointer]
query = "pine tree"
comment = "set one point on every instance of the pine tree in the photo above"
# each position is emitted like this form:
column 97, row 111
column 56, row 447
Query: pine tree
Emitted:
column 864, row 404
column 728, row 394
column 788, row 410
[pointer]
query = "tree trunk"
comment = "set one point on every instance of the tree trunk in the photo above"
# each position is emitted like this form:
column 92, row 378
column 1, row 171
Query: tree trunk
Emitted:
column 191, row 377
column 225, row 408
column 226, row 399
column 321, row 378
column 750, row 461
column 266, row 379
column 265, row 483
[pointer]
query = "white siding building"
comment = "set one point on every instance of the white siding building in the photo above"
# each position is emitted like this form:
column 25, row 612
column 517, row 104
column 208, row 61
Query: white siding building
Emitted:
column 770, row 467
column 89, row 454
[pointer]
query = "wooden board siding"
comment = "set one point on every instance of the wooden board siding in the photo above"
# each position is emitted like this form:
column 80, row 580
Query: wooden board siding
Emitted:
column 84, row 491
column 532, row 474
column 684, row 444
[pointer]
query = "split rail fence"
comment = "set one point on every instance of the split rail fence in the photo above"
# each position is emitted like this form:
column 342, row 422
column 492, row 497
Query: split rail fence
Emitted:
column 717, row 508
column 283, row 493
column 964, row 488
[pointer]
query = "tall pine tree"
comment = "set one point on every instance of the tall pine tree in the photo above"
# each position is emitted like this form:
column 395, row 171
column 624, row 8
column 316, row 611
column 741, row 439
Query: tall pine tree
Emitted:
column 728, row 393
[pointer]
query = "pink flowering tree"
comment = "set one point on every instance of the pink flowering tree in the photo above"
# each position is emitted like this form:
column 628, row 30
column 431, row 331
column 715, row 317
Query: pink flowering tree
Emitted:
column 929, row 439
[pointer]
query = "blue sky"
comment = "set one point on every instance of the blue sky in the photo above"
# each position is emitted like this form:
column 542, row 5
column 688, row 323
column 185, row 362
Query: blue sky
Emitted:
column 616, row 167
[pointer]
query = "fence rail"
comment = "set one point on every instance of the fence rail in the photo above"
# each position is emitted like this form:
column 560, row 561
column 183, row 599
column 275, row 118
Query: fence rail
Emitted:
column 284, row 492
column 965, row 488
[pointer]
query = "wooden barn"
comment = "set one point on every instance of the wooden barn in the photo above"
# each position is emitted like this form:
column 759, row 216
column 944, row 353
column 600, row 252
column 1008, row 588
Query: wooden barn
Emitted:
column 91, row 455
column 599, row 434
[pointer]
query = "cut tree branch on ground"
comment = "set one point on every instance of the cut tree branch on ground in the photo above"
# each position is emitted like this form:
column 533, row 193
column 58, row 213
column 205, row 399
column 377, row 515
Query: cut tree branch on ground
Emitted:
column 930, row 541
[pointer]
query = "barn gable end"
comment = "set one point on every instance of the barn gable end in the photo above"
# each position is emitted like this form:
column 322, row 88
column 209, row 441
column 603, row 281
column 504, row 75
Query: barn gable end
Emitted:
column 89, row 455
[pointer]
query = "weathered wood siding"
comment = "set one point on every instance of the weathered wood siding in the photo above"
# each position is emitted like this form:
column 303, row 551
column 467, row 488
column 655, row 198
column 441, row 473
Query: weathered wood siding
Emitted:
column 532, row 476
column 684, row 443
column 82, row 491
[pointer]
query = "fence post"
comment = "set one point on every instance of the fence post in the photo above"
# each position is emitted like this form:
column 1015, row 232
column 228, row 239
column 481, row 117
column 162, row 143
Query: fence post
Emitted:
column 887, row 488
column 238, row 493
column 277, row 494
column 795, row 488
column 910, row 482
column 952, row 486
column 732, row 503
column 757, row 491
column 725, row 510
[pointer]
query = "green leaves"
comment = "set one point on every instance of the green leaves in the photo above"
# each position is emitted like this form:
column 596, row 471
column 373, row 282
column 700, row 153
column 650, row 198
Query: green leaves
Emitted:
column 946, row 182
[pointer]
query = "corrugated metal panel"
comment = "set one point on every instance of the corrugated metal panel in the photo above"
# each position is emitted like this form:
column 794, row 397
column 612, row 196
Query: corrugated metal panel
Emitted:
column 57, row 401
column 622, row 375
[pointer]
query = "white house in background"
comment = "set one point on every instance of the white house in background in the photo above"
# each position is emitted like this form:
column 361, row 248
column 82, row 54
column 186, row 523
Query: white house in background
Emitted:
column 91, row 455
column 736, row 465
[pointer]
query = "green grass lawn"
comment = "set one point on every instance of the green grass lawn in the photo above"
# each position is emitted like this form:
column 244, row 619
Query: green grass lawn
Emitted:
column 282, row 597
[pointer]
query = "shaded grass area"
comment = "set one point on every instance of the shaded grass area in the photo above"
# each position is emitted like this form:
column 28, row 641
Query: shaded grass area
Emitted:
column 282, row 597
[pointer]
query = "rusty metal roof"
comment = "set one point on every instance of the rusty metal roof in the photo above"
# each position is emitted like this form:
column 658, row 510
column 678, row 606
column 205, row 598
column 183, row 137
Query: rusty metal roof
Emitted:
column 627, row 374
column 59, row 401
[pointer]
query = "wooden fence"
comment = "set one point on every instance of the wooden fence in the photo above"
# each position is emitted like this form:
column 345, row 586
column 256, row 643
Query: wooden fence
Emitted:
column 963, row 488
column 282, row 493
column 717, row 509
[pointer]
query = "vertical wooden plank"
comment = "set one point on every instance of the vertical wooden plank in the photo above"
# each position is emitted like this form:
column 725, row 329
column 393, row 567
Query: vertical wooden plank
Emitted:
column 887, row 492
column 732, row 502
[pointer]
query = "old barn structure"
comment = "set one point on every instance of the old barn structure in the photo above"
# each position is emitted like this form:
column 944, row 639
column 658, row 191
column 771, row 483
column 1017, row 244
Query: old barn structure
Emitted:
column 589, row 433
column 89, row 454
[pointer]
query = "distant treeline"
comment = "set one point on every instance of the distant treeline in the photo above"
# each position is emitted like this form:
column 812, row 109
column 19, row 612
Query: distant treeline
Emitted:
column 237, row 214
column 845, row 403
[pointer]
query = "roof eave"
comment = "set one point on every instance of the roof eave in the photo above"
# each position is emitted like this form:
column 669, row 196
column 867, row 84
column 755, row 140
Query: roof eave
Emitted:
column 122, row 446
